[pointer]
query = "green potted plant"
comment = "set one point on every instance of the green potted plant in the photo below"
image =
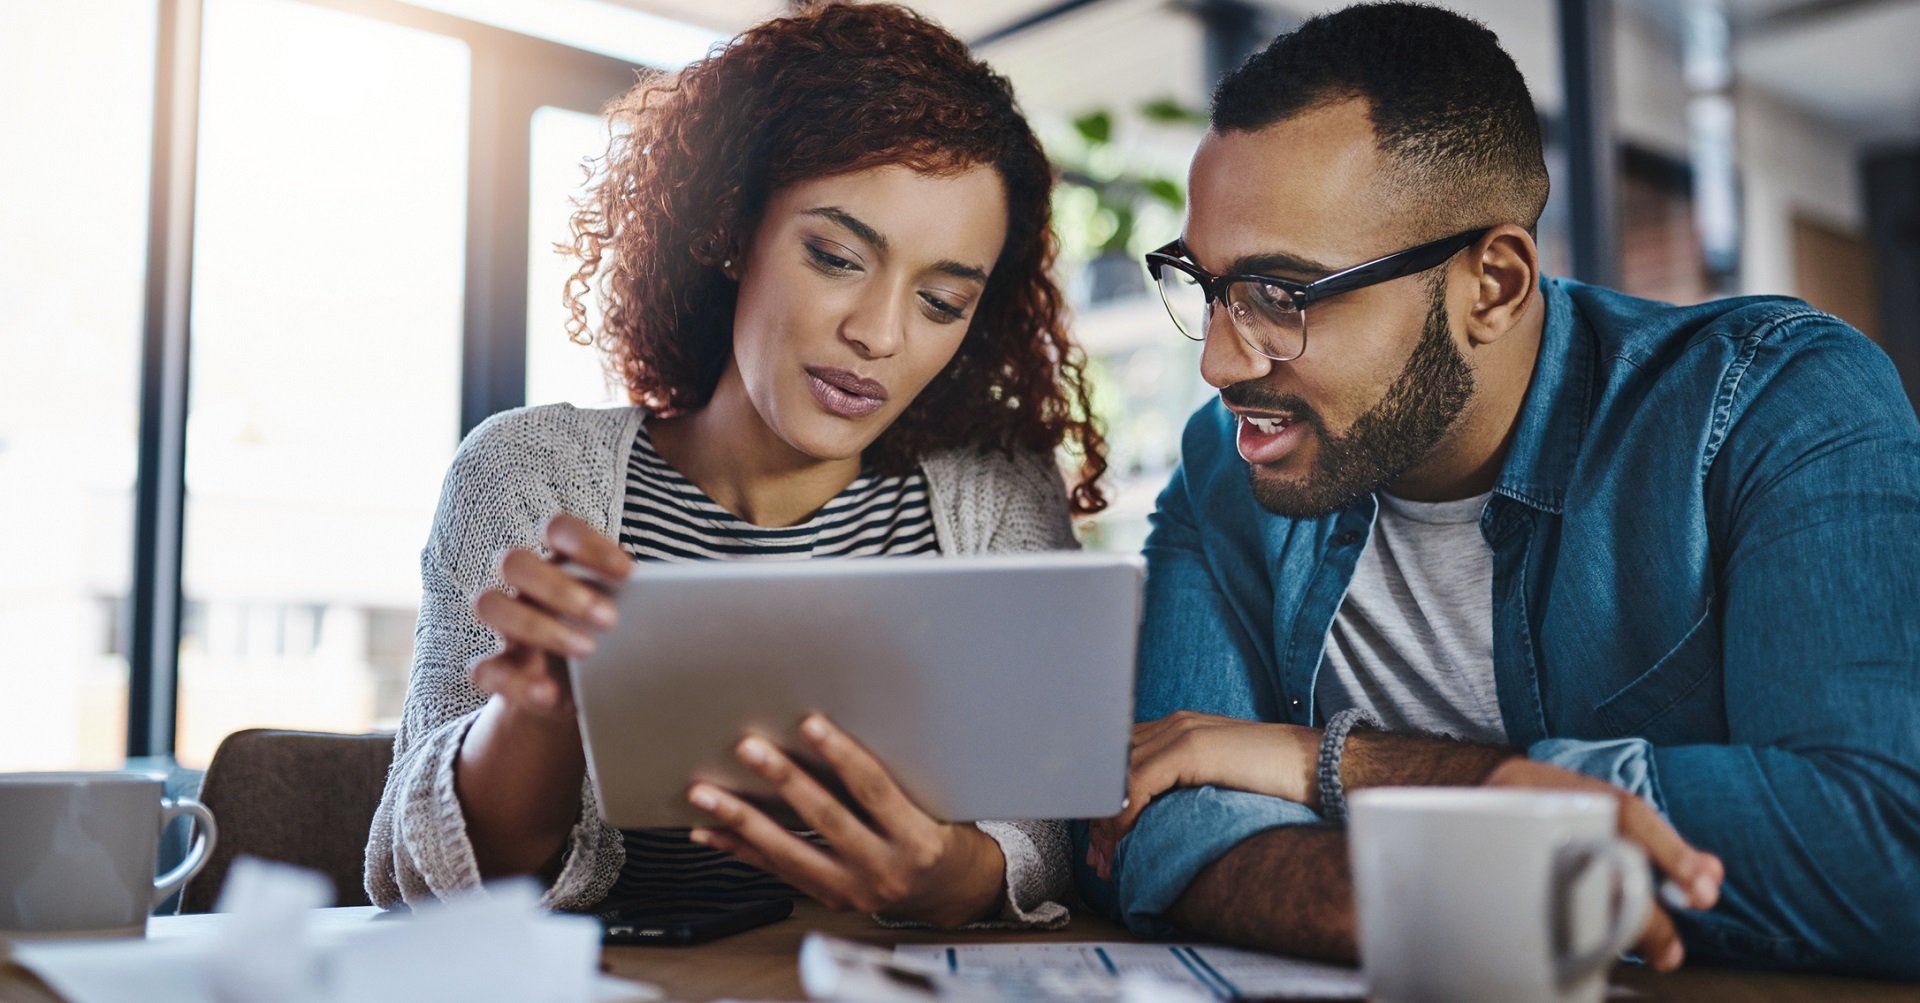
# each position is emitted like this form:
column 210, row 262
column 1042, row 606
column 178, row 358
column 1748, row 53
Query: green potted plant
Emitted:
column 1102, row 196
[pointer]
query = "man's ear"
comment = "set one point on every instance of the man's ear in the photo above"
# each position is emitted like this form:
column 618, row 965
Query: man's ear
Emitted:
column 1504, row 266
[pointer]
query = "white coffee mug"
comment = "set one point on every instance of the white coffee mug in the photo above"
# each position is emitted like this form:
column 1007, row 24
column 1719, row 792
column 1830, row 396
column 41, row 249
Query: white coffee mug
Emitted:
column 1478, row 894
column 77, row 852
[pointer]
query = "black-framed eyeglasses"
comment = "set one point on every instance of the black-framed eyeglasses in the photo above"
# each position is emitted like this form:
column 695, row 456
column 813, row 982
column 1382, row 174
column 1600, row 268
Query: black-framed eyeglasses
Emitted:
column 1270, row 313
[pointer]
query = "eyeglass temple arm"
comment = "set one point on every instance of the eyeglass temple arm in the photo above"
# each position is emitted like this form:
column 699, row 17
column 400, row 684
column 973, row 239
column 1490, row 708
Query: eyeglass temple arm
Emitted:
column 1393, row 266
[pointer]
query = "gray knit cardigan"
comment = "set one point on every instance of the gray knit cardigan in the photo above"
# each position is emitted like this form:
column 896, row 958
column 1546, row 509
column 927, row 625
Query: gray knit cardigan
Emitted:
column 508, row 476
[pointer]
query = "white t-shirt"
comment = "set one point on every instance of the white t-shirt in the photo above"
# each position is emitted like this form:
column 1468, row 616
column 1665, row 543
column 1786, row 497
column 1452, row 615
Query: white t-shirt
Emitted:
column 1412, row 643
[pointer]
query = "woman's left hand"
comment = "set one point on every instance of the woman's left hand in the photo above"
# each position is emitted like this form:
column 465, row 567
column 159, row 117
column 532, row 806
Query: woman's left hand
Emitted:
column 899, row 861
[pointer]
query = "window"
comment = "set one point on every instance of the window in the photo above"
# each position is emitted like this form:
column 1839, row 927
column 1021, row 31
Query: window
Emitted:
column 73, row 193
column 558, row 369
column 327, row 309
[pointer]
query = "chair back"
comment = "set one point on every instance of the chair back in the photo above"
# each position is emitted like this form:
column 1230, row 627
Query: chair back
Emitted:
column 300, row 797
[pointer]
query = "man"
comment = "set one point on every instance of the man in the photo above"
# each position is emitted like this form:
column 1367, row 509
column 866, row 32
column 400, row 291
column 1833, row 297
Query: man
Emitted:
column 1450, row 523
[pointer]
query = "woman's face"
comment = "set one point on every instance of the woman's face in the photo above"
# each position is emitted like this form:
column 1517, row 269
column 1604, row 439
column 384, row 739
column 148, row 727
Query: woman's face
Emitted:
column 855, row 293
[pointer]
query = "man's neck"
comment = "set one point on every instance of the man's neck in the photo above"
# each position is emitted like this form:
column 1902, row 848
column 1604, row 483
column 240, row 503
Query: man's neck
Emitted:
column 1468, row 461
column 727, row 450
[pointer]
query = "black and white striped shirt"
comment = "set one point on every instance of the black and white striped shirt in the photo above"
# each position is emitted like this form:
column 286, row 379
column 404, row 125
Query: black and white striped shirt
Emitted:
column 665, row 517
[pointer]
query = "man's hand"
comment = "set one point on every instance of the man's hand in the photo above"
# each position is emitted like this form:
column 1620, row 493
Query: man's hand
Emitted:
column 1696, row 875
column 1190, row 749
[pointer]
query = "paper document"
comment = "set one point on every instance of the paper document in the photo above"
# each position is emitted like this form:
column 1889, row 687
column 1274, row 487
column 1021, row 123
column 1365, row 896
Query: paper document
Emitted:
column 1220, row 972
column 272, row 942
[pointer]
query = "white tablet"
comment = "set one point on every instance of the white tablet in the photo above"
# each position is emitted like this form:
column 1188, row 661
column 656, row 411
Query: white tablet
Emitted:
column 992, row 687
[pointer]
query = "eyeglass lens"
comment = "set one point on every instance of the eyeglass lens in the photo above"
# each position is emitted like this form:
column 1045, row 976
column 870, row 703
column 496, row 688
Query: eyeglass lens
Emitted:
column 1263, row 315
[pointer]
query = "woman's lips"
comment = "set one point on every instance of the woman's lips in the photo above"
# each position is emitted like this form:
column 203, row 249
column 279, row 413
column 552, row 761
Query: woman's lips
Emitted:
column 1263, row 440
column 844, row 394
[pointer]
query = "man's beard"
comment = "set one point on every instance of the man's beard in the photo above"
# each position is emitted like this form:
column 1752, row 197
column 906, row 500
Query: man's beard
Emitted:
column 1400, row 431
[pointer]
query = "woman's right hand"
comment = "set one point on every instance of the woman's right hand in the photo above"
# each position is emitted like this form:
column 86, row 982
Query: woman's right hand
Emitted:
column 544, row 615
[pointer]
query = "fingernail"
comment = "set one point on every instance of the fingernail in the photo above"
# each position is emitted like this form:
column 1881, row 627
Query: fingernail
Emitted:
column 603, row 613
column 1705, row 890
column 699, row 836
column 704, row 799
column 754, row 751
column 1673, row 956
column 579, row 646
column 814, row 727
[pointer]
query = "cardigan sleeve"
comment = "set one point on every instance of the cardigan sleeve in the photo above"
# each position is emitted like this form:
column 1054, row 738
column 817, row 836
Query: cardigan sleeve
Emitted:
column 418, row 849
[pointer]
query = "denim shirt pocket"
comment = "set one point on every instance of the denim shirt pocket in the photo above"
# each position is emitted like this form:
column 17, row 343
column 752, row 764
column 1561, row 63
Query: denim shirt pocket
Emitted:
column 1638, row 706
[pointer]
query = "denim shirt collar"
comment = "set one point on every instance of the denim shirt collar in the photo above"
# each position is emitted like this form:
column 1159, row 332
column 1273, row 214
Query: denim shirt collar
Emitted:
column 1553, row 418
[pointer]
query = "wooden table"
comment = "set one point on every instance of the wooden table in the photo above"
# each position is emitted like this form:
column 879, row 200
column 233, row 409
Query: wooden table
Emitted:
column 759, row 964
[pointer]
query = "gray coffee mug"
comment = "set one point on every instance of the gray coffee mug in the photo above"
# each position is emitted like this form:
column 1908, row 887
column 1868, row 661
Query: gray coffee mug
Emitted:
column 77, row 852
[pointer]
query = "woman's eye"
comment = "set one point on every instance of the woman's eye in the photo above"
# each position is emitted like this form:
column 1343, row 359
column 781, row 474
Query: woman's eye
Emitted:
column 829, row 261
column 946, row 312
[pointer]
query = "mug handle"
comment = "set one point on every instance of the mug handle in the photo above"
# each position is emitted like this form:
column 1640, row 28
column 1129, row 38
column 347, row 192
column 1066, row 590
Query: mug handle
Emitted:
column 1627, row 864
column 205, row 832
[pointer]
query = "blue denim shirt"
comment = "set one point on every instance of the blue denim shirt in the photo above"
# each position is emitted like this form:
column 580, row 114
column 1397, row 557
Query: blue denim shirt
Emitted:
column 1706, row 588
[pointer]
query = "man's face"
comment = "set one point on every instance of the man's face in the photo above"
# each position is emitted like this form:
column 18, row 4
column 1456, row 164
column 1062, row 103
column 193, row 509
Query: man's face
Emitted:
column 1384, row 376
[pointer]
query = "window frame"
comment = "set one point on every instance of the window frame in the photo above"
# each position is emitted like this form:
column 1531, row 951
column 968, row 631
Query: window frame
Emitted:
column 512, row 75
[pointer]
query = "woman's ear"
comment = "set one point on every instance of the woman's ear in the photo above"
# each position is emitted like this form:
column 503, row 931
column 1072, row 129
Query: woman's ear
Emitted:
column 717, row 250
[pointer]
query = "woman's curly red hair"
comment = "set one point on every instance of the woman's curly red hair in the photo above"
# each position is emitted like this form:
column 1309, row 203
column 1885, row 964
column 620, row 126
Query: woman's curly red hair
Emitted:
column 841, row 87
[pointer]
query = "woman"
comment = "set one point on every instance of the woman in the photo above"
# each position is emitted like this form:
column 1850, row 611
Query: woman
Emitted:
column 823, row 254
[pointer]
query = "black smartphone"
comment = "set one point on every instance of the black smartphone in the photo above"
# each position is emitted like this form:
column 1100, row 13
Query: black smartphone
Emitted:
column 677, row 923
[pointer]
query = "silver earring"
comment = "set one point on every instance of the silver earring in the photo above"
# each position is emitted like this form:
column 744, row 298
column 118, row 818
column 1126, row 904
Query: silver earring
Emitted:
column 726, row 264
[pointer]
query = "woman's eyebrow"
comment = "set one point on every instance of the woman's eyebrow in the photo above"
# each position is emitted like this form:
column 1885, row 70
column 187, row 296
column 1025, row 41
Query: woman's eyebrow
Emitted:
column 860, row 228
column 851, row 222
column 961, row 270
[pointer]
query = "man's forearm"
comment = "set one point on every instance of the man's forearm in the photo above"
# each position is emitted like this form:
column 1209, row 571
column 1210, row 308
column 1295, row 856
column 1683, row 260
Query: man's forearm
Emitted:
column 1304, row 905
column 1385, row 759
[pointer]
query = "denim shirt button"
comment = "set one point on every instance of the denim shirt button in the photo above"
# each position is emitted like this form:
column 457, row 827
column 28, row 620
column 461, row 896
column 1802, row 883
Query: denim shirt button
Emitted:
column 1346, row 539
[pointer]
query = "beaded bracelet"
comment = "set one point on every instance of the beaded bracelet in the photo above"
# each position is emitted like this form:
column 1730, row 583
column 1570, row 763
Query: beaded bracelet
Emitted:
column 1333, row 745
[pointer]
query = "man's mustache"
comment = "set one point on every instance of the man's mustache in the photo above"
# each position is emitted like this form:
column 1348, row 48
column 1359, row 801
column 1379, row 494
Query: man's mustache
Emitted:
column 1253, row 397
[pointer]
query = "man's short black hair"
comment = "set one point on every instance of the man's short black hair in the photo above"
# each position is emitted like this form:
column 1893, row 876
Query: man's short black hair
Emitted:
column 1448, row 106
